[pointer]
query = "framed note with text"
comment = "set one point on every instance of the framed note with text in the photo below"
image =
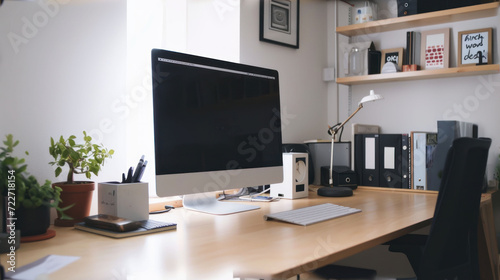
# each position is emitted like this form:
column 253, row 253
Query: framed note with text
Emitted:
column 475, row 46
column 392, row 55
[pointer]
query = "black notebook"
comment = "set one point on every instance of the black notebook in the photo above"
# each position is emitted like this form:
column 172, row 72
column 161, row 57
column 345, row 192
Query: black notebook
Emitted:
column 146, row 227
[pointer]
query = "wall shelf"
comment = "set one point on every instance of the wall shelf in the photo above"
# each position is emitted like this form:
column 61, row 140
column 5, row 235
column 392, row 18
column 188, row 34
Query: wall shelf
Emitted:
column 432, row 18
column 421, row 75
column 412, row 21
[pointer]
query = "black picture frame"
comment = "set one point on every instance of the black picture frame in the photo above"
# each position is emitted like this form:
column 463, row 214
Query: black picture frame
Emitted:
column 397, row 57
column 279, row 22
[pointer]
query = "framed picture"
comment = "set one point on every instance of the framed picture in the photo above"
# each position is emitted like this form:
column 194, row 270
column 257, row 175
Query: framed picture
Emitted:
column 474, row 44
column 392, row 55
column 435, row 49
column 279, row 22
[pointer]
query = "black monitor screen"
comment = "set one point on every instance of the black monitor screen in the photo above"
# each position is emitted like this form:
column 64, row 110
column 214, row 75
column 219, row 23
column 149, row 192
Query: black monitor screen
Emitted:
column 212, row 115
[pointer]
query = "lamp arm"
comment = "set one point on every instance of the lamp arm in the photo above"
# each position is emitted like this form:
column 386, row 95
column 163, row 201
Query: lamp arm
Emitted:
column 336, row 129
column 334, row 132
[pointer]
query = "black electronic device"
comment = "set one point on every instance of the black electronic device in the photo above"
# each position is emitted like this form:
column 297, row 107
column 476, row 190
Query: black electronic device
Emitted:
column 374, row 60
column 413, row 7
column 407, row 7
column 335, row 191
column 217, row 126
column 342, row 176
column 111, row 223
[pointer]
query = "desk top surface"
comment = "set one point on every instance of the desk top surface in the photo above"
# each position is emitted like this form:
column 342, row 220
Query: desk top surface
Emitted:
column 239, row 245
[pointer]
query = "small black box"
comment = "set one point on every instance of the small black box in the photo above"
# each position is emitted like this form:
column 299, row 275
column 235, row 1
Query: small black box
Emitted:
column 413, row 7
column 407, row 7
column 343, row 176
column 374, row 60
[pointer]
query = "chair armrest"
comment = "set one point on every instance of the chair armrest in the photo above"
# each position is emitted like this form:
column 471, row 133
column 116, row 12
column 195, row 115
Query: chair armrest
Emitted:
column 409, row 240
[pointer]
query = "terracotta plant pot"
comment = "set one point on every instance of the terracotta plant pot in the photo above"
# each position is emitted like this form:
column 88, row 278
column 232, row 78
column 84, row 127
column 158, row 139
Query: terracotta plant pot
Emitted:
column 79, row 194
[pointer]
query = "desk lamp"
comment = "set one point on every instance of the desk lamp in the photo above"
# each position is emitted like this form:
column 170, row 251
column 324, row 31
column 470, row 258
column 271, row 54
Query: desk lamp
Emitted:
column 343, row 191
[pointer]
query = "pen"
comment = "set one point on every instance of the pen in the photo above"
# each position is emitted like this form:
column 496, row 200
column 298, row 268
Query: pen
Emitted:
column 138, row 179
column 129, row 176
column 137, row 170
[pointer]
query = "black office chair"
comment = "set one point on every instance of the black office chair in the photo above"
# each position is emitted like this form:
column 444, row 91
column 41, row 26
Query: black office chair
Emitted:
column 450, row 249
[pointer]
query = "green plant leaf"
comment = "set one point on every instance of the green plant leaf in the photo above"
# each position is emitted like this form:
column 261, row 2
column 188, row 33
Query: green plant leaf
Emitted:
column 58, row 171
column 63, row 215
column 9, row 161
column 95, row 169
column 61, row 147
column 22, row 168
column 65, row 153
column 75, row 156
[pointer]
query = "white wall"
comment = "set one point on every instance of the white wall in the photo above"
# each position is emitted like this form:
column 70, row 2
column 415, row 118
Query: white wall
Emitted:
column 303, row 92
column 59, row 74
column 417, row 105
column 200, row 27
column 213, row 28
column 67, row 71
column 225, row 30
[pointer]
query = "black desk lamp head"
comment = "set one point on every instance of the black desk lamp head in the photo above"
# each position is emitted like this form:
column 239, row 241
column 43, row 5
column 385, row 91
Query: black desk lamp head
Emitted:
column 343, row 191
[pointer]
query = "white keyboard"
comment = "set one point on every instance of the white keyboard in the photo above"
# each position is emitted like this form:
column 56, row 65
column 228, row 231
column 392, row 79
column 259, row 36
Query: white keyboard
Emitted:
column 312, row 214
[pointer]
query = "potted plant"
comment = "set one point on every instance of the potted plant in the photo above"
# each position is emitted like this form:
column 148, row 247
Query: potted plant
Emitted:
column 25, row 198
column 81, row 158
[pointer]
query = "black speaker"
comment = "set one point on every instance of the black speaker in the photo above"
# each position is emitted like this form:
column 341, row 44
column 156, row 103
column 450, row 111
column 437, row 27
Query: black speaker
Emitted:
column 342, row 176
column 374, row 60
column 407, row 7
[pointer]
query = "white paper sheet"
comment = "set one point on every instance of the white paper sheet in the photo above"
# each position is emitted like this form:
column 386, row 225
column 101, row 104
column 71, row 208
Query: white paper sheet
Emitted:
column 43, row 266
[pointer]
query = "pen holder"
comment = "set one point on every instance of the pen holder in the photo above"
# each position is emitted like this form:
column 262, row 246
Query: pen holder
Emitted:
column 127, row 200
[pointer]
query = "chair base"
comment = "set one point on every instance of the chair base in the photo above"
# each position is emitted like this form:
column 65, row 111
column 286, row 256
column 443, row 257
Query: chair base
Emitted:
column 345, row 272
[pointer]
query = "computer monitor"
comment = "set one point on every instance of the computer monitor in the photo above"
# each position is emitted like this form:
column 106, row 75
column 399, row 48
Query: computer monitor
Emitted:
column 217, row 126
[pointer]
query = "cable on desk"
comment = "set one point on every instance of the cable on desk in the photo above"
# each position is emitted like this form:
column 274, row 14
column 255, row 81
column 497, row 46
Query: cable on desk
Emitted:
column 167, row 208
column 242, row 192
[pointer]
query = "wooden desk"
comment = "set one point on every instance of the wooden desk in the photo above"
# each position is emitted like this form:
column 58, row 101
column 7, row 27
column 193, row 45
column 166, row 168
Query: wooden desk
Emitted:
column 240, row 245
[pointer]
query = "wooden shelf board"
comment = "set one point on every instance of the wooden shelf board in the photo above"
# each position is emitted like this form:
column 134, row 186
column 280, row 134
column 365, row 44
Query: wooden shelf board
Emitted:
column 432, row 18
column 421, row 75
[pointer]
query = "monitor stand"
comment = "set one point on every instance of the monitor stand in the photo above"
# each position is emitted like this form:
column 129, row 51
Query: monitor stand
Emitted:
column 207, row 203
